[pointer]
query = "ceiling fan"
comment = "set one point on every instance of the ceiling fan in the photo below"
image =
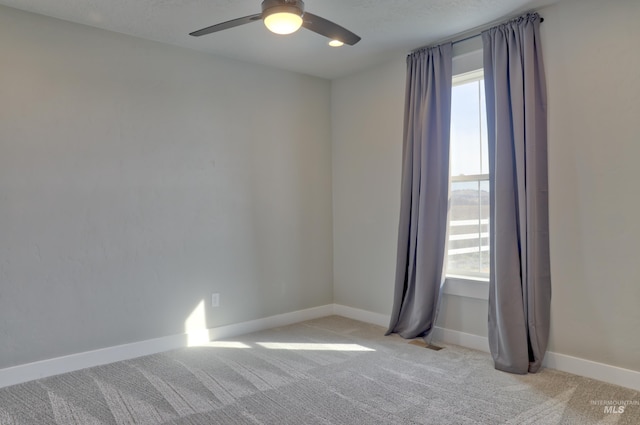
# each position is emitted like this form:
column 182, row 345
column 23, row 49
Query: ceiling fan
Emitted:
column 286, row 17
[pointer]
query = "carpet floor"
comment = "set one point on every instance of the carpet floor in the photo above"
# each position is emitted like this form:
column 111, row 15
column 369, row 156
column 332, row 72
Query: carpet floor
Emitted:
column 326, row 371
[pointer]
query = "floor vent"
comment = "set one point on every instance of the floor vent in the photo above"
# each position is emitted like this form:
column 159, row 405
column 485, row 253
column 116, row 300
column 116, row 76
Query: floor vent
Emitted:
column 421, row 343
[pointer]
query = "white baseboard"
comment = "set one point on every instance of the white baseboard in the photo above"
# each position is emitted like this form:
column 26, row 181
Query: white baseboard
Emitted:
column 463, row 339
column 594, row 370
column 440, row 334
column 562, row 362
column 361, row 315
column 270, row 322
column 42, row 369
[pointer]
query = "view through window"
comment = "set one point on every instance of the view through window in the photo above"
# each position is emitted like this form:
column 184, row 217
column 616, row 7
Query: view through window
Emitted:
column 468, row 249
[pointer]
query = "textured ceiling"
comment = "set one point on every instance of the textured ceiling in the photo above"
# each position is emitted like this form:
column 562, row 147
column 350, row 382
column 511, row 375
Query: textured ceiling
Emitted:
column 387, row 27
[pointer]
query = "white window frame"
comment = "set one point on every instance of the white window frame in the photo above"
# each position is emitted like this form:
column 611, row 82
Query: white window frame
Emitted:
column 468, row 77
column 467, row 66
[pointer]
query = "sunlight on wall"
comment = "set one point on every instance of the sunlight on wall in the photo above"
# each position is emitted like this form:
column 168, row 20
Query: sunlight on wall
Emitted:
column 196, row 327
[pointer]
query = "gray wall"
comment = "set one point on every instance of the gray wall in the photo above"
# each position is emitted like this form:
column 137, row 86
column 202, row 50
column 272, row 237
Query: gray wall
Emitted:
column 594, row 148
column 367, row 110
column 138, row 178
column 594, row 101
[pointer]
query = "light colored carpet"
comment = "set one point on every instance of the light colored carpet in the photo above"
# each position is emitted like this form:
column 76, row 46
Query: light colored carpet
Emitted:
column 326, row 371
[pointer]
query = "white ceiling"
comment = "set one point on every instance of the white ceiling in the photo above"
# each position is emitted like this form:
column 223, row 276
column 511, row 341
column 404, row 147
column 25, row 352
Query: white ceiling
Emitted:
column 387, row 27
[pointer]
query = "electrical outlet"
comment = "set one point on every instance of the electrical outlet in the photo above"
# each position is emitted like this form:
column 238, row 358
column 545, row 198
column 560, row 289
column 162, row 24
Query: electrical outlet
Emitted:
column 215, row 300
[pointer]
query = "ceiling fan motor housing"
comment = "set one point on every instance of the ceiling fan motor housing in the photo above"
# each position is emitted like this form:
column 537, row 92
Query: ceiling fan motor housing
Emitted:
column 270, row 7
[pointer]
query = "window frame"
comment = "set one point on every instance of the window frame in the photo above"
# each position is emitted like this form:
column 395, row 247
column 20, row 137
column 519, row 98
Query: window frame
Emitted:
column 467, row 284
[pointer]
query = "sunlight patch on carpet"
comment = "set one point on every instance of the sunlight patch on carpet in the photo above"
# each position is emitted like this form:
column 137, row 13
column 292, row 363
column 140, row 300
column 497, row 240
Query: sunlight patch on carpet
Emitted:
column 312, row 346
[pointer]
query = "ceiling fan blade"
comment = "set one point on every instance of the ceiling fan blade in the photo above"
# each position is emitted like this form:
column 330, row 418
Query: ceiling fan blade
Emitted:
column 328, row 29
column 227, row 25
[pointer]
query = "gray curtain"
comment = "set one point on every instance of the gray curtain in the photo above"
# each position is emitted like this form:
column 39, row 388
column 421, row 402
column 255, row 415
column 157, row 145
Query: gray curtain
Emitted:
column 424, row 192
column 520, row 289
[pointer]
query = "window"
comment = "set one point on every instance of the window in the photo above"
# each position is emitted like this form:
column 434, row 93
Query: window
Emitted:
column 468, row 243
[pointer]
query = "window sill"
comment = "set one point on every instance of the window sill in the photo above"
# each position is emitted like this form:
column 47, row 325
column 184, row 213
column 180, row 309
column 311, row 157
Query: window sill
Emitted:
column 465, row 286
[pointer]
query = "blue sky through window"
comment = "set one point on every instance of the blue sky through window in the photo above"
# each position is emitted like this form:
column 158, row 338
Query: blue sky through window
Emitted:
column 469, row 150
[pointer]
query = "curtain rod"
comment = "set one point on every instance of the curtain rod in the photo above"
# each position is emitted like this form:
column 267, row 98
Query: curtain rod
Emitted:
column 477, row 35
column 454, row 41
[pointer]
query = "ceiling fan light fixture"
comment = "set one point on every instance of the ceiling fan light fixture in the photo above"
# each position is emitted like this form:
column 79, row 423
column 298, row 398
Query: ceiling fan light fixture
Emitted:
column 336, row 43
column 282, row 16
column 283, row 22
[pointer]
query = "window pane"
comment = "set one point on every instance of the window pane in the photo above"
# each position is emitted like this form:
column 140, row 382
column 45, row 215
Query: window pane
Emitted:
column 469, row 210
column 469, row 228
column 465, row 129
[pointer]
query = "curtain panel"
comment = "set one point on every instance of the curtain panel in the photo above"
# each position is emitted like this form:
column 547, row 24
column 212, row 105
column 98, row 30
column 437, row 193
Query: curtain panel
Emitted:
column 520, row 278
column 424, row 192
